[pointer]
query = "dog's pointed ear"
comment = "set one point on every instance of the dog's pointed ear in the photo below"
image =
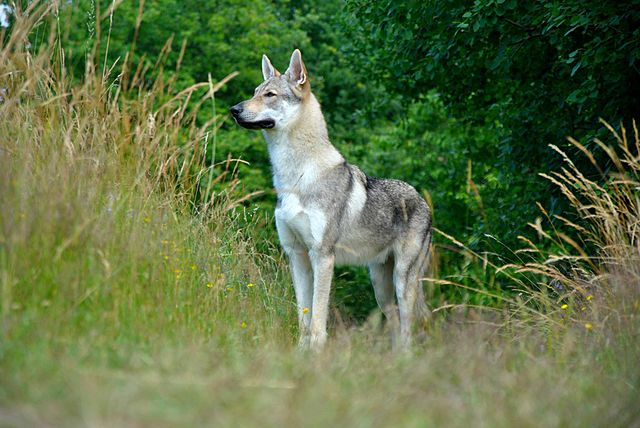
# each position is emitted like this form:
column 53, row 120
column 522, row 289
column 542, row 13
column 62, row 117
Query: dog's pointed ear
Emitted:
column 297, row 72
column 268, row 70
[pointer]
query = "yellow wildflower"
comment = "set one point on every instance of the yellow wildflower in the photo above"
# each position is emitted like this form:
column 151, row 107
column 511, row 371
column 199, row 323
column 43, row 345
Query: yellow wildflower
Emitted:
column 209, row 285
column 565, row 306
column 250, row 285
column 588, row 326
column 589, row 297
column 305, row 310
column 243, row 325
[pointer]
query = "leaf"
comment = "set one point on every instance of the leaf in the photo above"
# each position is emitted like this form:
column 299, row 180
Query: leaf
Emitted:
column 575, row 68
column 571, row 30
column 573, row 97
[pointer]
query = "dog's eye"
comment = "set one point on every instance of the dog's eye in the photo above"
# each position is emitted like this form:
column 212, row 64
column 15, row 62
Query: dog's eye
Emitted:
column 270, row 94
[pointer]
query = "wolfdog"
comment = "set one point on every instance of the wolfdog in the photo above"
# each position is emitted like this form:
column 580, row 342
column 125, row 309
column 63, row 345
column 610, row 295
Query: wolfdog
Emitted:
column 329, row 212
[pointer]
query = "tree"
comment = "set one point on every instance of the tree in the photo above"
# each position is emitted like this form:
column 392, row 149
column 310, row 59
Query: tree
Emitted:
column 534, row 71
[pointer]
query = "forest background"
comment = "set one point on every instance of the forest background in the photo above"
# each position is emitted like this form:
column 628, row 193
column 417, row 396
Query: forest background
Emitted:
column 460, row 100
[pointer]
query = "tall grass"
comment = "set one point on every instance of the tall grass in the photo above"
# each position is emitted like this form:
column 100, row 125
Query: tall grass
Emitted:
column 134, row 294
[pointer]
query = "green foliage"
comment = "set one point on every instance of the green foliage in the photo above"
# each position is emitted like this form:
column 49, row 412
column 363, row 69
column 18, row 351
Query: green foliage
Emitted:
column 219, row 37
column 543, row 70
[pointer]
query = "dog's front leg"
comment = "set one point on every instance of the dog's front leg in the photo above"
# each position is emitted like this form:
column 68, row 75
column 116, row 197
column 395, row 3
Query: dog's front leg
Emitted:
column 302, row 276
column 322, row 262
column 302, row 283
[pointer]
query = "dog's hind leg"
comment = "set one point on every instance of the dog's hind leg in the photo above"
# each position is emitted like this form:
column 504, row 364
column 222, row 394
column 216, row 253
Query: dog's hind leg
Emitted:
column 409, row 266
column 382, row 281
column 406, row 285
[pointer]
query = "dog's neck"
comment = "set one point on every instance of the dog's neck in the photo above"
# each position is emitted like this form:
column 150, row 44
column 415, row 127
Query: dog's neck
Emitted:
column 301, row 152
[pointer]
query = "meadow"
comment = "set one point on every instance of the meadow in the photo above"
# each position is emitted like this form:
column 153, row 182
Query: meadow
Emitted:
column 138, row 287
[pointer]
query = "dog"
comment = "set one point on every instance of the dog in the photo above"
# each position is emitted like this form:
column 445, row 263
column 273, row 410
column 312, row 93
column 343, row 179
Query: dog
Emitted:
column 328, row 212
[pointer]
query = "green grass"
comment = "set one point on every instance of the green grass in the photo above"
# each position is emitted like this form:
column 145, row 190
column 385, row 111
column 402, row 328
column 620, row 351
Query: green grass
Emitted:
column 134, row 295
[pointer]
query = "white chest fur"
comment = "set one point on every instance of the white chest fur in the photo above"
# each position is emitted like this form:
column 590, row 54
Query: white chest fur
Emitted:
column 305, row 224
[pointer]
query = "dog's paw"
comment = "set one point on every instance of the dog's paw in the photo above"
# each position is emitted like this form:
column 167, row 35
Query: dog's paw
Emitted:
column 304, row 342
column 317, row 341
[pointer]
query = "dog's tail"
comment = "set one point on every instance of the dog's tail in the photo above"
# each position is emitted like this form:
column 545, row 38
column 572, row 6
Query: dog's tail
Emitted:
column 422, row 310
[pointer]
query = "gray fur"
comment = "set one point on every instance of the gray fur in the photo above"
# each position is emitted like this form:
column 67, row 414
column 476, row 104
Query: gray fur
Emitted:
column 329, row 212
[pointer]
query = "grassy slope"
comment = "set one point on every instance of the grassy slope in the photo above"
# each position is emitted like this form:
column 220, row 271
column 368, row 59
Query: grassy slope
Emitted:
column 120, row 307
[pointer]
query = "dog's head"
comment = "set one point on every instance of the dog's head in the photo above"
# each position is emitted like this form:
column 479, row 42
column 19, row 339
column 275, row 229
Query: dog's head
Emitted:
column 277, row 101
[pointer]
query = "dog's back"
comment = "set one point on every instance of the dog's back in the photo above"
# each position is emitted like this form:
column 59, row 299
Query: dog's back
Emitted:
column 365, row 216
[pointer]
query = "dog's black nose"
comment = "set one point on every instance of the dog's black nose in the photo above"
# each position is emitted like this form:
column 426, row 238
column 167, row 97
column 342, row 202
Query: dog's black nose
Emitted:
column 236, row 109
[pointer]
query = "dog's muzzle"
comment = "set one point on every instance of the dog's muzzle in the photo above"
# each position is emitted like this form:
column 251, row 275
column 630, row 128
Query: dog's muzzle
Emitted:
column 236, row 112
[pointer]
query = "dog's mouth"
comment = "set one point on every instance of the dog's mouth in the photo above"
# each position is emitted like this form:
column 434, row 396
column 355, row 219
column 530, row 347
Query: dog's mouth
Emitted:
column 258, row 124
